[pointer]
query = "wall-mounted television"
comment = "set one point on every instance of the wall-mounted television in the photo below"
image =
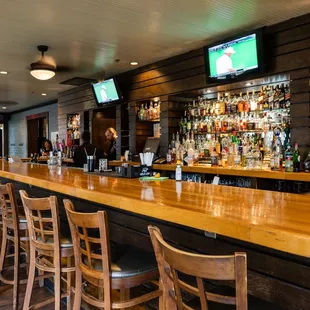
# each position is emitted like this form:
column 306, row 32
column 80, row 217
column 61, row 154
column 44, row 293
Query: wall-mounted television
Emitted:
column 234, row 57
column 106, row 92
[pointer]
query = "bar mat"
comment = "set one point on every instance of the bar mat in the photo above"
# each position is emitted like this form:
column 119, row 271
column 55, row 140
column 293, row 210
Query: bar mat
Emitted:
column 153, row 179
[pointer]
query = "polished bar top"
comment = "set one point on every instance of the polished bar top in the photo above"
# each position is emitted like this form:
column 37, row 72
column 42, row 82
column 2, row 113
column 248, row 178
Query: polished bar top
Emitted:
column 265, row 174
column 277, row 220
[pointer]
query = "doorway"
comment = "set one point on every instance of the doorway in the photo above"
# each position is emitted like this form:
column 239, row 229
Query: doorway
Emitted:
column 37, row 132
column 1, row 140
column 102, row 120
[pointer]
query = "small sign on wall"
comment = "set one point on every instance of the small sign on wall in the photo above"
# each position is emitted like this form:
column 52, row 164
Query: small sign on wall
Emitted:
column 54, row 136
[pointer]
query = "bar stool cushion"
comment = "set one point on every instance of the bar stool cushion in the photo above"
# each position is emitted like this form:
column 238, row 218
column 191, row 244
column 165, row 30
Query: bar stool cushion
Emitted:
column 127, row 261
column 22, row 219
column 64, row 242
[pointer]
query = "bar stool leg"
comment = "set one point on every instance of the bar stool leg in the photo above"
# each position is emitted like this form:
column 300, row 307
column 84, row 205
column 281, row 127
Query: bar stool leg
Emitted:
column 30, row 281
column 69, row 277
column 57, row 289
column 78, row 289
column 125, row 295
column 16, row 273
column 41, row 281
column 3, row 249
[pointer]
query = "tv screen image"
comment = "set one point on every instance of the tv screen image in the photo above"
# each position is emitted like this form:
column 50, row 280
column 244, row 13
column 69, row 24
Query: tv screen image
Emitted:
column 106, row 91
column 234, row 57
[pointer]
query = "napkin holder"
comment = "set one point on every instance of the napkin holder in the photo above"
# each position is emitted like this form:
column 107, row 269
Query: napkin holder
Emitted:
column 131, row 171
column 146, row 171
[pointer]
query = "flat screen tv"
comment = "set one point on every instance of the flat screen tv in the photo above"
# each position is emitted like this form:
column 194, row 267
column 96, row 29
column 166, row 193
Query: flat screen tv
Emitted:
column 106, row 92
column 234, row 57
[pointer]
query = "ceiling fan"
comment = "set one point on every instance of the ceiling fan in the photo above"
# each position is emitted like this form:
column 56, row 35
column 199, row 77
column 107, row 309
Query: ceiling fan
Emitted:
column 43, row 69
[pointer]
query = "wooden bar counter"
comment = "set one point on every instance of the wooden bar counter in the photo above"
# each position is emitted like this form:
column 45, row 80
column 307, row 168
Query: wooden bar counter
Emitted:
column 272, row 228
column 276, row 220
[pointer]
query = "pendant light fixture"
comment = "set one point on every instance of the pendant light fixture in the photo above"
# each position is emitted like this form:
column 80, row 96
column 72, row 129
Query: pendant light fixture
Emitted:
column 41, row 69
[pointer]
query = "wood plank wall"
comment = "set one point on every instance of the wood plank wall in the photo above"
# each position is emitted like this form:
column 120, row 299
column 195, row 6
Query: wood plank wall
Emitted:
column 288, row 51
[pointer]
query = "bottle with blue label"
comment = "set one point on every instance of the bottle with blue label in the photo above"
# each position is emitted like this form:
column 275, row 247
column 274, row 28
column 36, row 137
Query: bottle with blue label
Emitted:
column 178, row 172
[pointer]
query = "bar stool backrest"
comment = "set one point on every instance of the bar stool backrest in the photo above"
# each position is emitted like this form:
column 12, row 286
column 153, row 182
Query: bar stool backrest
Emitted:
column 43, row 223
column 8, row 208
column 92, row 254
column 171, row 261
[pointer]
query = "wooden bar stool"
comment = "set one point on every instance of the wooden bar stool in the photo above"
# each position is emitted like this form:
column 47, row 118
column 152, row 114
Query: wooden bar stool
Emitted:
column 96, row 266
column 171, row 261
column 47, row 248
column 14, row 234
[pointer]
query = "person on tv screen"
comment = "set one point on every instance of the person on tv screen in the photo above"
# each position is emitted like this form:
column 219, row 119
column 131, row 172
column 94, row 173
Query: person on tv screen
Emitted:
column 224, row 63
column 103, row 94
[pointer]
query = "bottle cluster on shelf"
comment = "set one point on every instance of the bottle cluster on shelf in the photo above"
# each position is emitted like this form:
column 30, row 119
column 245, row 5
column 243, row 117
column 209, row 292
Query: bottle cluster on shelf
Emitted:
column 257, row 111
column 149, row 111
column 245, row 150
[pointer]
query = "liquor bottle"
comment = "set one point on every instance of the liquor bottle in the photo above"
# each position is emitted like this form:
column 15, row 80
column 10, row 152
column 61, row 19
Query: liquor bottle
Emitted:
column 188, row 125
column 246, row 105
column 270, row 91
column 253, row 102
column 193, row 109
column 282, row 97
column 261, row 99
column 141, row 113
column 288, row 159
column 266, row 98
column 228, row 104
column 276, row 98
column 169, row 155
column 184, row 125
column 214, row 158
column 307, row 163
column 271, row 161
column 287, row 96
column 178, row 172
column 277, row 159
column 296, row 159
column 240, row 103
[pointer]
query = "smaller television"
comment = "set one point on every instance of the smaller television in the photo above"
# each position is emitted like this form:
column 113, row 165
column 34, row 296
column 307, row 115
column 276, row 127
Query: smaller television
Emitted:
column 106, row 92
column 234, row 57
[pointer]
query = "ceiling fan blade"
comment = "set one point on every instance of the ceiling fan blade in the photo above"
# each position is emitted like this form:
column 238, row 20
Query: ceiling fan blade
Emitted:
column 65, row 69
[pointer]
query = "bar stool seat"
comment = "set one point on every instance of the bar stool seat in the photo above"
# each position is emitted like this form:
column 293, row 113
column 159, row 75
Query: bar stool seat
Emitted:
column 64, row 242
column 128, row 262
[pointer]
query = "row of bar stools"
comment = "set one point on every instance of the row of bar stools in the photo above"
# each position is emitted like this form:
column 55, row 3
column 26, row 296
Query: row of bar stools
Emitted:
column 14, row 232
column 107, row 269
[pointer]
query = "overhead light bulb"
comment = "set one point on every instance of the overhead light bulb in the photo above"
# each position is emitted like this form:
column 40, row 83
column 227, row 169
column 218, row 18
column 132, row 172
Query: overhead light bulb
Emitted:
column 4, row 108
column 42, row 74
column 43, row 94
column 134, row 63
column 208, row 91
column 248, row 84
column 3, row 72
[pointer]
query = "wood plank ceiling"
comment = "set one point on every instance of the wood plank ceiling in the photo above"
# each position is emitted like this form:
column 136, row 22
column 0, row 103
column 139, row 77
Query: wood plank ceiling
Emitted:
column 89, row 35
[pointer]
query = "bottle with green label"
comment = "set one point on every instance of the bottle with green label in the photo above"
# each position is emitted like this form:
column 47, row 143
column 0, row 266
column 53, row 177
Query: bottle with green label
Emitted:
column 288, row 159
column 296, row 159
